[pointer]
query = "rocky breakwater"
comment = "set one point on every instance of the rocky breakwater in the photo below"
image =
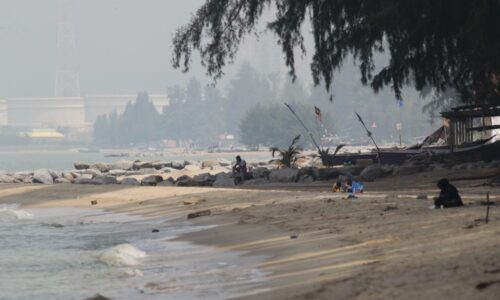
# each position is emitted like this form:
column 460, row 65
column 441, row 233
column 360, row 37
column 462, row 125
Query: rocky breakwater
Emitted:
column 215, row 173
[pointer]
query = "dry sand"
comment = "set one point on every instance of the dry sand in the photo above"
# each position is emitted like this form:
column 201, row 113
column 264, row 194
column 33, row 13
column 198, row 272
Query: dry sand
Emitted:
column 385, row 245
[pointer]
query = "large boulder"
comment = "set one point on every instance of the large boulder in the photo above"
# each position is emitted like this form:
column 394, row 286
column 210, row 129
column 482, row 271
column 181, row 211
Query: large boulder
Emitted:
column 261, row 172
column 205, row 179
column 43, row 176
column 117, row 172
column 24, row 177
column 151, row 180
column 284, row 175
column 70, row 176
column 325, row 174
column 257, row 181
column 408, row 170
column 158, row 165
column 6, row 178
column 130, row 181
column 104, row 180
column 186, row 181
column 92, row 172
column 81, row 166
column 138, row 165
column 224, row 180
column 62, row 181
column 122, row 165
column 84, row 179
column 373, row 172
column 101, row 167
column 178, row 165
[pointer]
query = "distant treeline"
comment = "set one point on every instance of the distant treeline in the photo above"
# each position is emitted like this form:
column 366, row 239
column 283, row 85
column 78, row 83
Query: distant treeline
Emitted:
column 251, row 109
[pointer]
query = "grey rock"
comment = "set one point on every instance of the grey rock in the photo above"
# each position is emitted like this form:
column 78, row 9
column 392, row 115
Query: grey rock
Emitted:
column 104, row 180
column 84, row 179
column 148, row 171
column 6, row 178
column 142, row 165
column 373, row 172
column 130, row 181
column 257, row 181
column 166, row 170
column 261, row 173
column 117, row 172
column 68, row 176
column 178, row 165
column 158, row 165
column 205, row 179
column 408, row 170
column 101, row 167
column 186, row 181
column 166, row 183
column 122, row 165
column 62, row 181
column 151, row 180
column 92, row 172
column 284, row 175
column 325, row 174
column 224, row 180
column 81, row 166
column 43, row 176
column 307, row 179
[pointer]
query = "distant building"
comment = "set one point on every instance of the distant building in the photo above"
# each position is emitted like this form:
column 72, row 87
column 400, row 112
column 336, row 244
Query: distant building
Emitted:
column 46, row 112
column 73, row 112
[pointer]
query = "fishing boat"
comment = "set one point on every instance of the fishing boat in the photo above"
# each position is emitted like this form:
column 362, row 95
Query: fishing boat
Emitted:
column 471, row 133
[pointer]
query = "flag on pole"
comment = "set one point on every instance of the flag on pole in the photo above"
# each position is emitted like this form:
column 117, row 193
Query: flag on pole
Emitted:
column 317, row 111
column 399, row 101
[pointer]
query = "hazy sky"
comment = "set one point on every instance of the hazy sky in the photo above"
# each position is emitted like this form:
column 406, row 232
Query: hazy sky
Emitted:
column 124, row 46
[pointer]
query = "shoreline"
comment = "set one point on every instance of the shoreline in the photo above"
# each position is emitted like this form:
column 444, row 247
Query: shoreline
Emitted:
column 386, row 244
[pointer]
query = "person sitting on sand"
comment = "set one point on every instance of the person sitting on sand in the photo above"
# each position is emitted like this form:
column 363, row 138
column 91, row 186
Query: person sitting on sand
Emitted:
column 448, row 197
column 239, row 170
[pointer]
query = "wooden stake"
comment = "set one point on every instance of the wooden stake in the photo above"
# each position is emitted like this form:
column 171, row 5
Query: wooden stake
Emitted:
column 487, row 207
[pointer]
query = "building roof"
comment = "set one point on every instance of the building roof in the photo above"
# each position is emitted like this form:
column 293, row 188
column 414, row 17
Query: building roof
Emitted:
column 43, row 134
column 472, row 111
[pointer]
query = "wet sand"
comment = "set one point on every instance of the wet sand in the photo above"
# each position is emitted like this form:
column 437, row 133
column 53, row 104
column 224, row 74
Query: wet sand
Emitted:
column 385, row 245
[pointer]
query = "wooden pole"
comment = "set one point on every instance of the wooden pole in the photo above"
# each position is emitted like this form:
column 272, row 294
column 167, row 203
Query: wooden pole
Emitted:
column 304, row 125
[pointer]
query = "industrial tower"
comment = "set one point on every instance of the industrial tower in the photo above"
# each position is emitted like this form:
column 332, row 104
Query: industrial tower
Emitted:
column 67, row 75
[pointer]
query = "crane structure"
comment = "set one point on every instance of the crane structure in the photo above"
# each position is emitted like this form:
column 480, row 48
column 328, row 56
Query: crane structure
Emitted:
column 67, row 82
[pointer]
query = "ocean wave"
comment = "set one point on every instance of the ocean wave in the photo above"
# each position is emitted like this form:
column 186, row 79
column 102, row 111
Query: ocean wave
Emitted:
column 10, row 213
column 121, row 256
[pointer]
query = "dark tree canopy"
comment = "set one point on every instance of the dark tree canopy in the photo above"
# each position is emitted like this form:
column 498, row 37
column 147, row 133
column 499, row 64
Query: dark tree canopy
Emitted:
column 443, row 44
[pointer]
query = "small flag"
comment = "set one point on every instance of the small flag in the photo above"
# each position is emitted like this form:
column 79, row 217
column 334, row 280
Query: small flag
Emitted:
column 317, row 111
column 399, row 101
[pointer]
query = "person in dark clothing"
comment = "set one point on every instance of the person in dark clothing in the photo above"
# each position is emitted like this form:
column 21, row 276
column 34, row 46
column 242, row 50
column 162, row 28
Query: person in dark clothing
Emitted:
column 240, row 170
column 448, row 197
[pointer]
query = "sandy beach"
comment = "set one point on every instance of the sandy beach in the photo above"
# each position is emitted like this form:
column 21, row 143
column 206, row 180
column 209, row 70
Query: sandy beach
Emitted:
column 387, row 244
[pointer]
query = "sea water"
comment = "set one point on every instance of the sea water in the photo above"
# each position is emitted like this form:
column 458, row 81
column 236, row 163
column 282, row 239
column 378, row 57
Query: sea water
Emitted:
column 79, row 253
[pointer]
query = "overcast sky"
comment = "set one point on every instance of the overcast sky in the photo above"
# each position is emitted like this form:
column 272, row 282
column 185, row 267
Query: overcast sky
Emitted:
column 124, row 46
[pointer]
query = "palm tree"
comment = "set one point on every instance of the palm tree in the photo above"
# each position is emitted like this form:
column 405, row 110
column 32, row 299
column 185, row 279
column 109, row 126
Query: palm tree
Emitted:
column 287, row 157
column 327, row 158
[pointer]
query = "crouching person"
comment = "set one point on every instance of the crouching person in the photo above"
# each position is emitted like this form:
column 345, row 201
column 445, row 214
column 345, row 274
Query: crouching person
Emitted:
column 448, row 197
column 240, row 171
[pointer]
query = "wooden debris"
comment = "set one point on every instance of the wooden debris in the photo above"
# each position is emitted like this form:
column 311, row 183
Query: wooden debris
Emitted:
column 202, row 213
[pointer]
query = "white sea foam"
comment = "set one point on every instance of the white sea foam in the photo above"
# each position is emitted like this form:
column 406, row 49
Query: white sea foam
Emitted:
column 121, row 256
column 10, row 212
